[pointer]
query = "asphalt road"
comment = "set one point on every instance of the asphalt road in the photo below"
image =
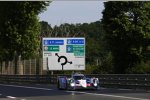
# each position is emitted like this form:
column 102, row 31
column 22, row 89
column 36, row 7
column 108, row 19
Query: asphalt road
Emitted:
column 50, row 92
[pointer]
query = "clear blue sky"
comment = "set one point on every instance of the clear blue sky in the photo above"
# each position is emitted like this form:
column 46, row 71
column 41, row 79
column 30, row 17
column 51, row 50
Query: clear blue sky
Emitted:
column 60, row 12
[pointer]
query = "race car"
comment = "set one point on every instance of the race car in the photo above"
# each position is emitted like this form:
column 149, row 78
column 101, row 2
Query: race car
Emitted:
column 77, row 81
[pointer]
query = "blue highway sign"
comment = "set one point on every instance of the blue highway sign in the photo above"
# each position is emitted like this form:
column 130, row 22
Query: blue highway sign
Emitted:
column 75, row 41
column 53, row 42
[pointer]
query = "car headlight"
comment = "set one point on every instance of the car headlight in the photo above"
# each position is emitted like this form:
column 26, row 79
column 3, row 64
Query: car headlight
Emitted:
column 72, row 84
column 95, row 84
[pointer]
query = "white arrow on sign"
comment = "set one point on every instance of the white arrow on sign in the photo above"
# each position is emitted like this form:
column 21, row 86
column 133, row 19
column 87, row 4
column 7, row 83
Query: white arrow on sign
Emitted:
column 69, row 49
column 45, row 42
column 69, row 41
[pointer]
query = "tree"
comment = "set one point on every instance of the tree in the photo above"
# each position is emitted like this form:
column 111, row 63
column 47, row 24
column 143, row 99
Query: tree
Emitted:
column 19, row 28
column 46, row 29
column 127, row 26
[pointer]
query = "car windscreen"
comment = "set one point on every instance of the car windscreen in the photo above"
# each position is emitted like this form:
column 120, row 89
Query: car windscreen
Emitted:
column 78, row 77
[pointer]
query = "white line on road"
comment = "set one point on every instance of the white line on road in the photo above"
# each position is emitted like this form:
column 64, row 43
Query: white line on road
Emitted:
column 26, row 87
column 133, row 98
column 11, row 97
column 125, row 89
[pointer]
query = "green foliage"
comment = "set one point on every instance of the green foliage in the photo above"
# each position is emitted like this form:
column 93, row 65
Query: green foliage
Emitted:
column 142, row 68
column 127, row 27
column 45, row 29
column 90, row 69
column 19, row 28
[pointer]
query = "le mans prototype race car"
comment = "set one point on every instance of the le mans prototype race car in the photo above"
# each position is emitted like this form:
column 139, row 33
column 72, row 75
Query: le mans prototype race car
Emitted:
column 77, row 81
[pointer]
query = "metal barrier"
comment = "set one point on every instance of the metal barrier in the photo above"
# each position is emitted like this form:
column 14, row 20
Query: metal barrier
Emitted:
column 134, row 81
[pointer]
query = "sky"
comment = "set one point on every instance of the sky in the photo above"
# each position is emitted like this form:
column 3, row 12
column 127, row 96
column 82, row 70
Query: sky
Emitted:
column 59, row 12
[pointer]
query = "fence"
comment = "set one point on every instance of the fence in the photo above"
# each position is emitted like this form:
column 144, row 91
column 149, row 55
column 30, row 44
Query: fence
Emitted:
column 24, row 67
column 134, row 81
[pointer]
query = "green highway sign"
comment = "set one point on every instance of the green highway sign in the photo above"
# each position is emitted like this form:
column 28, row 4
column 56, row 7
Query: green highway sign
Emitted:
column 78, row 54
column 78, row 50
column 51, row 48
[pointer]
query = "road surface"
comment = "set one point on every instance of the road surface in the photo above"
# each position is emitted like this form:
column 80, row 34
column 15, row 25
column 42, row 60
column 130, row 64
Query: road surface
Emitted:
column 50, row 92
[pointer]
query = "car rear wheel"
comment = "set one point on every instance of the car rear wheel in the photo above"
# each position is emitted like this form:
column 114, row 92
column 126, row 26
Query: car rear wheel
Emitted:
column 58, row 85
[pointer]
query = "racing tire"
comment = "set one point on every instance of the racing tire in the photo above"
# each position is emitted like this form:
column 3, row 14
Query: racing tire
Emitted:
column 97, row 88
column 58, row 86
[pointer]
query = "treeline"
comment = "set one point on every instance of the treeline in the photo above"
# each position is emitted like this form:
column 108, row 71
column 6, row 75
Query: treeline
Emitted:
column 127, row 26
column 98, row 57
column 119, row 43
column 19, row 30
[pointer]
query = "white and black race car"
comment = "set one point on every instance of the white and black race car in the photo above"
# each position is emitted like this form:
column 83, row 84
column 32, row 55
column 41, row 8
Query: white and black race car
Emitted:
column 77, row 81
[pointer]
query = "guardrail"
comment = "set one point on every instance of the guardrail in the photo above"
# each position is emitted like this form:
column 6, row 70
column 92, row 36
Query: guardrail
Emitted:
column 134, row 81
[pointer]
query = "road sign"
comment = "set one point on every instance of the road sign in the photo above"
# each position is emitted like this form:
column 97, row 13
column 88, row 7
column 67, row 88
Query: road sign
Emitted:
column 53, row 42
column 64, row 53
column 77, row 50
column 51, row 48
